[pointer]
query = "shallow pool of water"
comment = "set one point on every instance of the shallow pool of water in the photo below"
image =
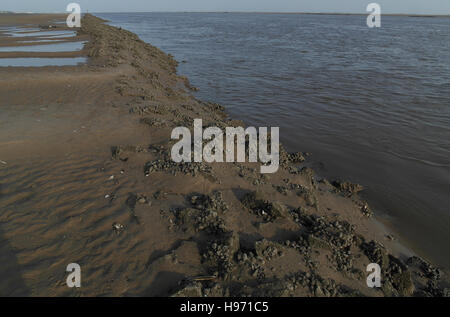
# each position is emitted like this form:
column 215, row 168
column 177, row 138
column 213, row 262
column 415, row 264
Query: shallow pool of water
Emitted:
column 58, row 35
column 41, row 33
column 40, row 40
column 15, row 29
column 12, row 31
column 59, row 47
column 40, row 62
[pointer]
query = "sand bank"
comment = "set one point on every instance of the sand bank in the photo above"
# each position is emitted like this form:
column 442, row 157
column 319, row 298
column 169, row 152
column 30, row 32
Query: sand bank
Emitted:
column 86, row 177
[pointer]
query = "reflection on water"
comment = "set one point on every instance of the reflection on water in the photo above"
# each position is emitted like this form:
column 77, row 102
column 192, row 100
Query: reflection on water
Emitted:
column 372, row 104
column 19, row 30
column 41, row 33
column 59, row 47
column 38, row 40
column 59, row 35
column 40, row 62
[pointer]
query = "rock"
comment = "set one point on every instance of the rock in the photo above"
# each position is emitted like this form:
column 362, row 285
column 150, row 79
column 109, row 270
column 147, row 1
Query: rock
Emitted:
column 258, row 204
column 219, row 255
column 142, row 200
column 325, row 182
column 267, row 249
column 388, row 290
column 366, row 211
column 318, row 291
column 279, row 210
column 347, row 188
column 296, row 157
column 403, row 283
column 118, row 228
column 377, row 254
column 190, row 290
column 427, row 269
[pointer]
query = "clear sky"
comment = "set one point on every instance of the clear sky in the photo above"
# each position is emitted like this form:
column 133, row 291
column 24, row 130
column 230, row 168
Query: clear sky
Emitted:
column 350, row 6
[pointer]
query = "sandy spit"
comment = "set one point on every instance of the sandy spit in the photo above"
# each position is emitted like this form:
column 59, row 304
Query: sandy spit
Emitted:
column 86, row 177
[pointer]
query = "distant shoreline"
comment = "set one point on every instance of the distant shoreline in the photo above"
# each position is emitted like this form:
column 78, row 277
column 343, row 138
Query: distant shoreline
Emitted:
column 255, row 12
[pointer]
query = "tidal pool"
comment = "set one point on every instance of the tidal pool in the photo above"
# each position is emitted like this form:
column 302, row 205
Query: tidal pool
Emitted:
column 59, row 47
column 41, row 33
column 40, row 62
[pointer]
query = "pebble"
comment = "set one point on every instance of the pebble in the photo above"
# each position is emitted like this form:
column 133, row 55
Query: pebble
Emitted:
column 390, row 237
column 142, row 200
column 117, row 227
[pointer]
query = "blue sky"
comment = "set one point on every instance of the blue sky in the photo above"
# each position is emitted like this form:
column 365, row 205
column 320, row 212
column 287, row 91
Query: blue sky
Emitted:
column 352, row 6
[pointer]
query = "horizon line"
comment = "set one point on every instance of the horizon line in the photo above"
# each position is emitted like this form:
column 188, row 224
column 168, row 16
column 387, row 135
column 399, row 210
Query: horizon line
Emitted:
column 225, row 11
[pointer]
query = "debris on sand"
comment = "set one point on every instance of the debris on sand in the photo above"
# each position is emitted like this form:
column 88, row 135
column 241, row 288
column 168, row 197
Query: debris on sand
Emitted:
column 118, row 228
column 346, row 188
column 257, row 203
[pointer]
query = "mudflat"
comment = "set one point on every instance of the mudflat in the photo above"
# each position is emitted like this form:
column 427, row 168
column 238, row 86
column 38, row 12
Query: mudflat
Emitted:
column 86, row 177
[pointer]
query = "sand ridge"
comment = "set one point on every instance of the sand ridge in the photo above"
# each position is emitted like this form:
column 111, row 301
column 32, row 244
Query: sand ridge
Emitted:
column 88, row 179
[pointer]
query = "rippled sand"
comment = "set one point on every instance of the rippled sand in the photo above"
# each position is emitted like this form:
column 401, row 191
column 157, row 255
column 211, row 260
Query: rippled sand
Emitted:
column 75, row 147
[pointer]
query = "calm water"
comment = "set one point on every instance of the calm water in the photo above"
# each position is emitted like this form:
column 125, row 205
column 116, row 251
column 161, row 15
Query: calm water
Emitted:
column 21, row 33
column 372, row 105
column 41, row 62
column 57, row 47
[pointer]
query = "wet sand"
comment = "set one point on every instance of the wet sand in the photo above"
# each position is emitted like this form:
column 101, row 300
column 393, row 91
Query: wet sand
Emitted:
column 86, row 177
